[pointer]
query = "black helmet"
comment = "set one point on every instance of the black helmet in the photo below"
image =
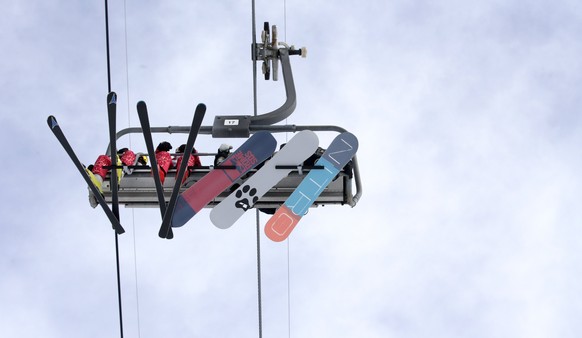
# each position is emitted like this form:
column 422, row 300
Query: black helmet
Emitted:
column 164, row 146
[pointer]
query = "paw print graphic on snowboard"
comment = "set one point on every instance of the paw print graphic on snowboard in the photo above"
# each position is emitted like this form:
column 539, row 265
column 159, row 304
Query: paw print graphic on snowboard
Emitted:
column 249, row 200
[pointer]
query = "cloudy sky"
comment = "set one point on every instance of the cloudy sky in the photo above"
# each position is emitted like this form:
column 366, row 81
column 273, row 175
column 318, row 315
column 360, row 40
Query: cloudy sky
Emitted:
column 470, row 150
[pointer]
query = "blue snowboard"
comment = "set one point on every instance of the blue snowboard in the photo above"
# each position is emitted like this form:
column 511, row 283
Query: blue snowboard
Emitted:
column 340, row 152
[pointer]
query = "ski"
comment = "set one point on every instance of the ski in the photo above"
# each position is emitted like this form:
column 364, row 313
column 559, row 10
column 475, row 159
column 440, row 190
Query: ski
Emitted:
column 300, row 147
column 165, row 229
column 56, row 129
column 142, row 112
column 112, row 118
column 251, row 153
column 340, row 152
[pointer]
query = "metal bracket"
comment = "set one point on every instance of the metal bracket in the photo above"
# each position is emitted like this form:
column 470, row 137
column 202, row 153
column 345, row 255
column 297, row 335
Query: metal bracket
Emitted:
column 231, row 126
column 270, row 51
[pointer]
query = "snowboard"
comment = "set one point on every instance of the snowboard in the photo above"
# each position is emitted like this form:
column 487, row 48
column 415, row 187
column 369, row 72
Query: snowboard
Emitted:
column 300, row 147
column 338, row 154
column 251, row 153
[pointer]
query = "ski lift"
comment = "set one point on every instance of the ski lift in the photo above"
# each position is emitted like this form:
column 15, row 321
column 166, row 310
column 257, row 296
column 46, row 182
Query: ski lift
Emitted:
column 339, row 184
column 138, row 189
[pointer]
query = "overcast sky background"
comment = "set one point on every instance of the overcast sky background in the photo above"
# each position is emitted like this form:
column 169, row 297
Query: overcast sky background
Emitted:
column 470, row 150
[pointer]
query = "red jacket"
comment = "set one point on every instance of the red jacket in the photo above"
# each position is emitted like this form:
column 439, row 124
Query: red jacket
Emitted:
column 164, row 160
column 127, row 158
column 193, row 161
column 102, row 161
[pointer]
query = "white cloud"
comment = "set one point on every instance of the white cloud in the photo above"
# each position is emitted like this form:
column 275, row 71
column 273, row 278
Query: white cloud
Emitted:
column 469, row 151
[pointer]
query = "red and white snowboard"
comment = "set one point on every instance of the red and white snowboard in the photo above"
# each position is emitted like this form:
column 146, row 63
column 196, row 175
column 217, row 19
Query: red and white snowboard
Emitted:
column 250, row 154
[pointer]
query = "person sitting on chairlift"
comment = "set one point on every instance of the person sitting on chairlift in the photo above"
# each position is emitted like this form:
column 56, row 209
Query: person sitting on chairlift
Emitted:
column 193, row 161
column 223, row 153
column 164, row 159
column 98, row 172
